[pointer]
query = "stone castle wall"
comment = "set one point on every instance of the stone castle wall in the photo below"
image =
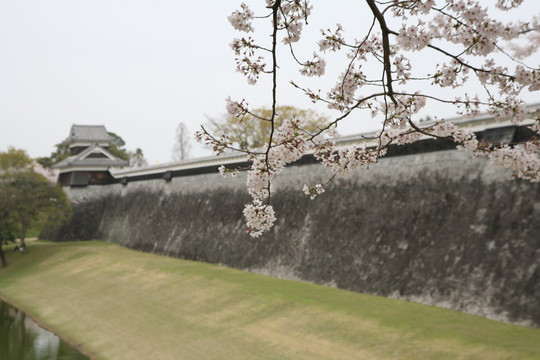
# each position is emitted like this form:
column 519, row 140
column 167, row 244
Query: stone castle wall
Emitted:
column 439, row 228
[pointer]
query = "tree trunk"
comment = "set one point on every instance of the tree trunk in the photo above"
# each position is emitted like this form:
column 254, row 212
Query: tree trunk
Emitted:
column 2, row 256
column 23, row 242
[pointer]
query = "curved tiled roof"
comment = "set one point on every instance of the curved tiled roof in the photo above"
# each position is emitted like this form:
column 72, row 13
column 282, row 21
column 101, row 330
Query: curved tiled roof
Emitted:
column 89, row 133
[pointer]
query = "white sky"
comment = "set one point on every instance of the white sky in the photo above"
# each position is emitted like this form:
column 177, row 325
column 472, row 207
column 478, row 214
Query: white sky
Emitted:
column 139, row 67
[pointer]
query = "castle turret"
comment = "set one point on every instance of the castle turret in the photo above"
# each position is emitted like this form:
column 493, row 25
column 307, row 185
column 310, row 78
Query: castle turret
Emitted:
column 90, row 159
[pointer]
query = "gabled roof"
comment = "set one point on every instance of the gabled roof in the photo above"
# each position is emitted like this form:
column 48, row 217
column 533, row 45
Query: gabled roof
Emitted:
column 88, row 133
column 85, row 159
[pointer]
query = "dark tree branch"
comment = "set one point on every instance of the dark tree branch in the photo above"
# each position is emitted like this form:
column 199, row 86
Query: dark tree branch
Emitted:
column 386, row 47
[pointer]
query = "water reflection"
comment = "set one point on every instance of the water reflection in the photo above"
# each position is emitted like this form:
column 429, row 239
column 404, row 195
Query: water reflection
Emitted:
column 22, row 339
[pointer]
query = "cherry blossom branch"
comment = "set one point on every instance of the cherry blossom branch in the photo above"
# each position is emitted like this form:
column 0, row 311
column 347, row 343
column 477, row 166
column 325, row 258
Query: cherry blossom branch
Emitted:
column 462, row 22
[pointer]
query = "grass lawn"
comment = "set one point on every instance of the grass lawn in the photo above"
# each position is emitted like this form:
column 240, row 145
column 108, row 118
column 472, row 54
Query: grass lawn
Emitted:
column 118, row 304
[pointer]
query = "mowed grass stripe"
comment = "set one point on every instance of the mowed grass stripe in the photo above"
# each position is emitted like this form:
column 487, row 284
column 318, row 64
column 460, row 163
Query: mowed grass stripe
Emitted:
column 121, row 304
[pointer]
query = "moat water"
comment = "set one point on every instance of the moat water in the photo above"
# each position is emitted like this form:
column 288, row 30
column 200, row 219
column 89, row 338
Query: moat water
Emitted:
column 22, row 339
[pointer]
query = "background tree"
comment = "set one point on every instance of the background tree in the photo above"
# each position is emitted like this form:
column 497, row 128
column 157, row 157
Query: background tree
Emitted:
column 26, row 196
column 14, row 160
column 252, row 130
column 136, row 158
column 117, row 147
column 182, row 143
column 2, row 256
column 8, row 225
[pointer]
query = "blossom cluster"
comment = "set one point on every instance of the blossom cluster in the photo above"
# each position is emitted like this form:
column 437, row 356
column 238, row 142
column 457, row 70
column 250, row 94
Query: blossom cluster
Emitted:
column 313, row 191
column 402, row 68
column 314, row 67
column 332, row 41
column 399, row 136
column 523, row 160
column 235, row 108
column 251, row 68
column 247, row 62
column 512, row 108
column 508, row 4
column 414, row 37
column 466, row 139
column 342, row 161
column 241, row 19
column 444, row 128
column 218, row 143
column 448, row 74
column 292, row 17
column 288, row 147
column 259, row 218
column 398, row 114
column 223, row 171
column 467, row 23
column 467, row 106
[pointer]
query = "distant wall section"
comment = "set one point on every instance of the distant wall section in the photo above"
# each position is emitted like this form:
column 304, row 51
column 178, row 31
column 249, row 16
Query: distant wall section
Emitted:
column 439, row 228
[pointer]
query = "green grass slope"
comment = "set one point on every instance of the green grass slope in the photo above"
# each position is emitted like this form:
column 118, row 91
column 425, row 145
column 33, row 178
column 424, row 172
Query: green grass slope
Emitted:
column 118, row 304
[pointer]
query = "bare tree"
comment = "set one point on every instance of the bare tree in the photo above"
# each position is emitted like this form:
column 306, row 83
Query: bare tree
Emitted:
column 182, row 143
column 136, row 158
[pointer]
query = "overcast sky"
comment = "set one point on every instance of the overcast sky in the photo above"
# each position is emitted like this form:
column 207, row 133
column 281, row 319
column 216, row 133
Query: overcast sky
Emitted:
column 139, row 67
